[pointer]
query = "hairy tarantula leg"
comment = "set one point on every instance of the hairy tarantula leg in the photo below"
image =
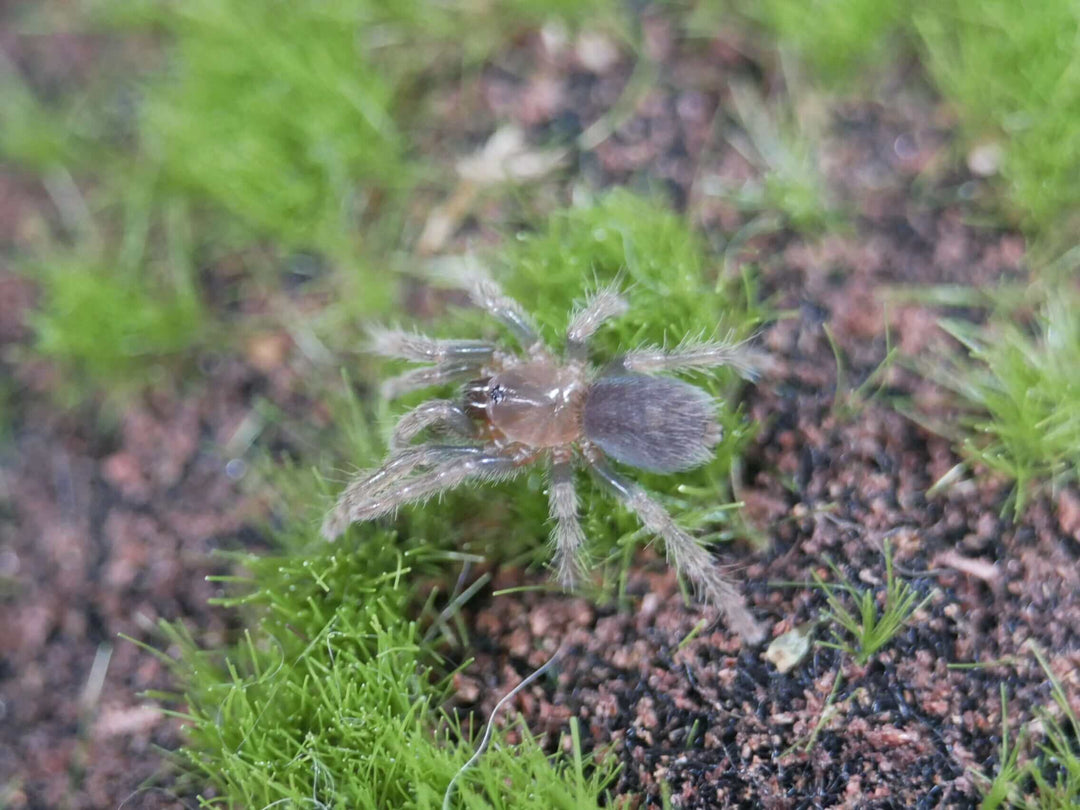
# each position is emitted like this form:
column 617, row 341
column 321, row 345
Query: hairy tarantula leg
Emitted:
column 695, row 354
column 426, row 377
column 369, row 483
column 437, row 412
column 604, row 304
column 464, row 464
column 423, row 349
column 568, row 537
column 688, row 557
column 486, row 293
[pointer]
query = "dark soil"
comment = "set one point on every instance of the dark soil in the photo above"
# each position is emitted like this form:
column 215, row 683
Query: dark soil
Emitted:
column 108, row 524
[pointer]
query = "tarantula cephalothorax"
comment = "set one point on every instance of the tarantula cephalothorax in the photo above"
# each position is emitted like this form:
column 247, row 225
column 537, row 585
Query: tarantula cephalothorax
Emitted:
column 524, row 408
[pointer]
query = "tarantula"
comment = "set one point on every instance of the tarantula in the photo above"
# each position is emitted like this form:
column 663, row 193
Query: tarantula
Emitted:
column 521, row 408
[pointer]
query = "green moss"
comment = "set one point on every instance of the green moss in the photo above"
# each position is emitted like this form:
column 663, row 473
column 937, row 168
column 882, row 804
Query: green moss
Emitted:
column 838, row 38
column 1022, row 394
column 8, row 402
column 1048, row 779
column 333, row 698
column 277, row 111
column 784, row 149
column 31, row 134
column 107, row 325
column 46, row 124
column 674, row 287
column 857, row 625
column 111, row 309
column 1015, row 79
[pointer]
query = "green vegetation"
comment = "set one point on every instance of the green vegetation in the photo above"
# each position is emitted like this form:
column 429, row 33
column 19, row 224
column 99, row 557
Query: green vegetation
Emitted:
column 868, row 627
column 291, row 136
column 112, row 308
column 1010, row 773
column 1015, row 80
column 850, row 401
column 1051, row 779
column 333, row 699
column 659, row 258
column 784, row 149
column 1022, row 395
column 31, row 134
column 107, row 325
column 838, row 38
column 301, row 119
column 1012, row 77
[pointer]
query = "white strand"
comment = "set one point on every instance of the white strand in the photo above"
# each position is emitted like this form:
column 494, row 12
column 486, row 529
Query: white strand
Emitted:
column 486, row 739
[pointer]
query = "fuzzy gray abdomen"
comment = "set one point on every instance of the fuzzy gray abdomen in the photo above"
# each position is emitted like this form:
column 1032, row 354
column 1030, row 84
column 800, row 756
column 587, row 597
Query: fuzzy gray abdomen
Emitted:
column 655, row 423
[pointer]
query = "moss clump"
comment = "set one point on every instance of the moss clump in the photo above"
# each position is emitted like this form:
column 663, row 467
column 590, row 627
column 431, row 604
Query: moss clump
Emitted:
column 114, row 306
column 837, row 37
column 333, row 697
column 1015, row 80
column 278, row 112
column 1022, row 395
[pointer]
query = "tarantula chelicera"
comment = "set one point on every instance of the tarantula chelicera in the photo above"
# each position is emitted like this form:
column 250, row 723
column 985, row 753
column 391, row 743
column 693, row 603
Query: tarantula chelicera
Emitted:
column 522, row 408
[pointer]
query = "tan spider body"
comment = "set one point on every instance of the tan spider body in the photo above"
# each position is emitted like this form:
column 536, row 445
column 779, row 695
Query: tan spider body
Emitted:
column 517, row 410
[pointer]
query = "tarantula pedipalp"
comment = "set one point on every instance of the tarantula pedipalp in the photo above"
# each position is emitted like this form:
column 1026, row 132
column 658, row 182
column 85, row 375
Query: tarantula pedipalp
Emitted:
column 518, row 409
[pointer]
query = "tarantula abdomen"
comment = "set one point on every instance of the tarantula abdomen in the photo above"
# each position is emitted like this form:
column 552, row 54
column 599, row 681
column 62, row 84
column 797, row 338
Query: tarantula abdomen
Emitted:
column 655, row 423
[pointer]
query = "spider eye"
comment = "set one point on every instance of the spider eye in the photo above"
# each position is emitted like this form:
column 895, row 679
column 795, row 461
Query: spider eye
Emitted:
column 497, row 394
